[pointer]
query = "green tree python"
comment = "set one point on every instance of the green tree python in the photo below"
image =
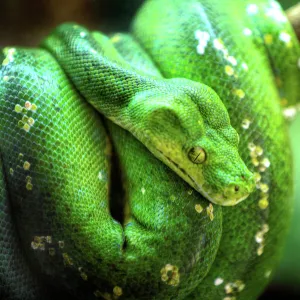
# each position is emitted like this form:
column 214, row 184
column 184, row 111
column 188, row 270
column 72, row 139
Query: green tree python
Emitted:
column 153, row 164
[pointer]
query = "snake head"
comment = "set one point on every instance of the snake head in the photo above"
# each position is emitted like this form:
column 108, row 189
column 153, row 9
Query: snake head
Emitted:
column 187, row 127
column 216, row 168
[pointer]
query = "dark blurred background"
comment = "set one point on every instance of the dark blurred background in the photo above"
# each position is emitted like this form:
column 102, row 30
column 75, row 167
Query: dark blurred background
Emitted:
column 26, row 22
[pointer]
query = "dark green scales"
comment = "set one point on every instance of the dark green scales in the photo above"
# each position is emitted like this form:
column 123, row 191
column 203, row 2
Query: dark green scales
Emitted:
column 58, row 155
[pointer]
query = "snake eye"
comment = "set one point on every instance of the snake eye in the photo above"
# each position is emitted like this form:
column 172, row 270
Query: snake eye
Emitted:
column 197, row 155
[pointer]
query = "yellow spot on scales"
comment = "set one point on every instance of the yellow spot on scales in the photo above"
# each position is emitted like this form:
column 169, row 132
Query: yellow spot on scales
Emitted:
column 170, row 275
column 82, row 34
column 260, row 250
column 27, row 105
column 247, row 31
column 263, row 187
column 26, row 165
column 257, row 177
column 100, row 175
column 5, row 62
column 38, row 242
column 29, row 185
column 203, row 38
column 239, row 92
column 260, row 239
column 198, row 208
column 117, row 291
column 255, row 161
column 61, row 244
column 218, row 281
column 190, row 192
column 84, row 276
column 246, row 123
column 258, row 151
column 268, row 39
column 30, row 121
column 218, row 44
column 18, row 108
column 26, row 127
column 116, row 38
column 210, row 211
column 264, row 164
column 234, row 287
column 245, row 66
column 268, row 273
column 229, row 70
column 263, row 203
column 285, row 37
column 33, row 107
column 9, row 56
column 275, row 12
column 67, row 259
column 9, row 51
column 252, row 9
column 290, row 113
column 231, row 59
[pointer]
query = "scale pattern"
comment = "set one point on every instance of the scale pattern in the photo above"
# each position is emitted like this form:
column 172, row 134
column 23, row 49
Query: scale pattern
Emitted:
column 67, row 170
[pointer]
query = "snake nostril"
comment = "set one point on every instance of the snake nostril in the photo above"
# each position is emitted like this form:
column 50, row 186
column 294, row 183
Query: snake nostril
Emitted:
column 236, row 188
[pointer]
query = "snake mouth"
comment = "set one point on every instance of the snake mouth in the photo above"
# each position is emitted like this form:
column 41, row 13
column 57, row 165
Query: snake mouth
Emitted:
column 223, row 198
column 231, row 201
column 182, row 170
column 216, row 198
column 193, row 182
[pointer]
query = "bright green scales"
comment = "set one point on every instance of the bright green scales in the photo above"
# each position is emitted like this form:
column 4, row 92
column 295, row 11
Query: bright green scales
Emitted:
column 55, row 151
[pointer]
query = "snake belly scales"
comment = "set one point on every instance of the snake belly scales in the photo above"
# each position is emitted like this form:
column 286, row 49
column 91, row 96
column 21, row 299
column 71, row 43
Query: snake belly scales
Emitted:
column 124, row 157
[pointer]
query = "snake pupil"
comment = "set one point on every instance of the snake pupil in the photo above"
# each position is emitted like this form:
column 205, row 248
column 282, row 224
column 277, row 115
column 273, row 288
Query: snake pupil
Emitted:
column 197, row 155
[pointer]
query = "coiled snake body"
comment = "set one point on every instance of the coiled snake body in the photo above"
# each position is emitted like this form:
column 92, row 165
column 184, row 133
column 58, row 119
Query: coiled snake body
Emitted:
column 68, row 171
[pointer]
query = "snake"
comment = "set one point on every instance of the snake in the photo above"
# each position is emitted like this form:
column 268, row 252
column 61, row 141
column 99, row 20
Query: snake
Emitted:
column 152, row 164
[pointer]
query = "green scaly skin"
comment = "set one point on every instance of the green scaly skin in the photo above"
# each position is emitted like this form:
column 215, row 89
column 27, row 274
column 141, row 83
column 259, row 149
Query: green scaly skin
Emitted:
column 170, row 117
column 59, row 156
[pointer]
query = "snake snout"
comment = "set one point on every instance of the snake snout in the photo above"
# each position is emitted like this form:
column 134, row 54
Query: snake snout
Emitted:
column 234, row 190
column 239, row 190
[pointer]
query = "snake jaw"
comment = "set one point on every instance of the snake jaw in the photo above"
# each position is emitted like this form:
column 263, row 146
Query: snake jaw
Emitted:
column 231, row 195
column 221, row 199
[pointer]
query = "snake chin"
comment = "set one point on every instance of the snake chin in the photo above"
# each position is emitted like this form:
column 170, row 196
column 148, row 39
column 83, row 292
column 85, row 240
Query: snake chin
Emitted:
column 231, row 195
column 222, row 198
